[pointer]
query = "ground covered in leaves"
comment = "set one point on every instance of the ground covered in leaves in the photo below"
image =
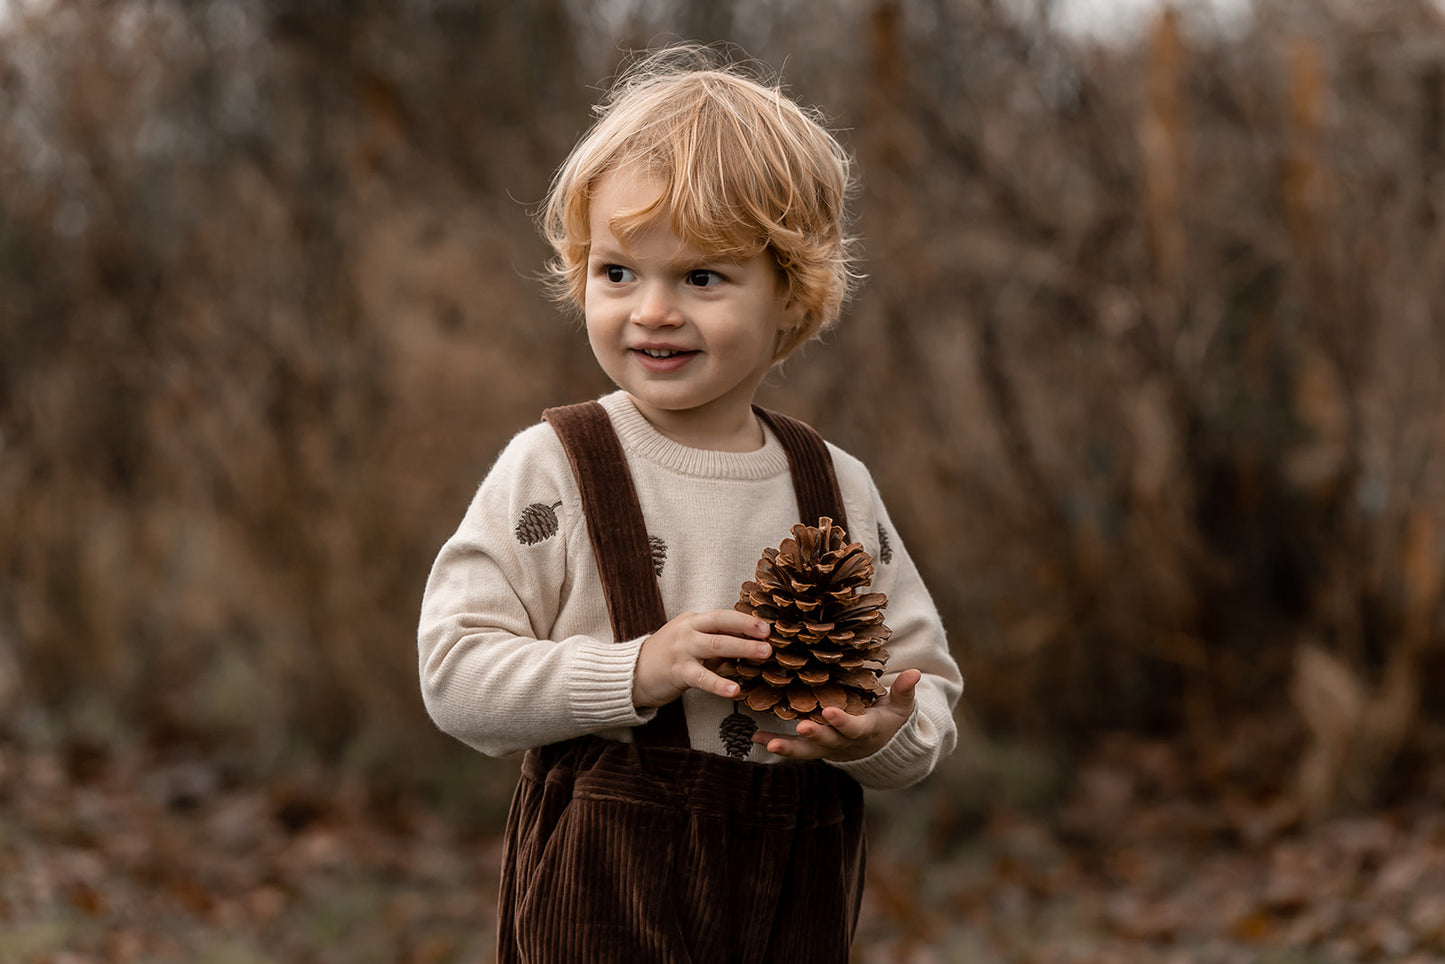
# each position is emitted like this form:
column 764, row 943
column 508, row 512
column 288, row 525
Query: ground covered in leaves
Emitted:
column 161, row 857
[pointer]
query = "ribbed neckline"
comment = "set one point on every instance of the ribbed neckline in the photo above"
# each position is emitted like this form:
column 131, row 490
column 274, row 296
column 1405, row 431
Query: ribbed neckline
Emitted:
column 640, row 437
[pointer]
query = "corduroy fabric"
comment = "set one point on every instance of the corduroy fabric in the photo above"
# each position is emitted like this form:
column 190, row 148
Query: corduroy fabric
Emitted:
column 654, row 852
column 665, row 855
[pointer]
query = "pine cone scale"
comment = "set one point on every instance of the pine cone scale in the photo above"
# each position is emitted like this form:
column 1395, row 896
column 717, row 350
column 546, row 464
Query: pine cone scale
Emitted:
column 827, row 629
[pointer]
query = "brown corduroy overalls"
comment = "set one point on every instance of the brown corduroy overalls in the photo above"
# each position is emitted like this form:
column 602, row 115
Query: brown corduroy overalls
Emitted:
column 652, row 851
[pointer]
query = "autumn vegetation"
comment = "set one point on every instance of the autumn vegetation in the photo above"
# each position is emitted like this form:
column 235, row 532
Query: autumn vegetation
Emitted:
column 1147, row 364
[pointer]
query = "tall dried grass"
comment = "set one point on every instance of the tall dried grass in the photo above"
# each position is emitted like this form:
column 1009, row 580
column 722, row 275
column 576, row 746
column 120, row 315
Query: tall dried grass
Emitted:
column 1146, row 364
column 1163, row 324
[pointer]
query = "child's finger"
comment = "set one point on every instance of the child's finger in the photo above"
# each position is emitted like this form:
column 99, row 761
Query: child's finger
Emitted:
column 846, row 725
column 703, row 678
column 821, row 734
column 728, row 622
column 724, row 635
column 790, row 747
column 708, row 647
column 904, row 686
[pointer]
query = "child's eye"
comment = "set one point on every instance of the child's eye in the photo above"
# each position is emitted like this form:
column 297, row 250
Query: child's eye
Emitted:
column 702, row 278
column 616, row 274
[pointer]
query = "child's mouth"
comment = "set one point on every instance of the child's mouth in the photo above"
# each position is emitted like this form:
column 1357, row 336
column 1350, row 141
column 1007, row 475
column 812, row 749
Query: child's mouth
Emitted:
column 663, row 359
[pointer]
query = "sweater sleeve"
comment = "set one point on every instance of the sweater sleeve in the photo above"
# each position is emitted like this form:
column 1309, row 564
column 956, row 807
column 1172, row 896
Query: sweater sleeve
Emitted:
column 918, row 642
column 492, row 675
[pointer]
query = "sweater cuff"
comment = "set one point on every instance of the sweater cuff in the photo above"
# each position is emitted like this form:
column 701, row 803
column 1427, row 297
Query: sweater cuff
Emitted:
column 602, row 675
column 901, row 762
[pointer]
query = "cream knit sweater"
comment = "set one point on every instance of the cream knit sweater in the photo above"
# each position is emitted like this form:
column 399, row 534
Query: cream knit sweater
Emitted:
column 515, row 647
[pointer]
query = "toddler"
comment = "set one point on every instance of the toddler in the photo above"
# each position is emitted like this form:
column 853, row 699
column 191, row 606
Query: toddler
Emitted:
column 583, row 608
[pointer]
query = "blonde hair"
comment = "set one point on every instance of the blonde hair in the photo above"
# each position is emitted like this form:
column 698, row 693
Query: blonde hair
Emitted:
column 745, row 170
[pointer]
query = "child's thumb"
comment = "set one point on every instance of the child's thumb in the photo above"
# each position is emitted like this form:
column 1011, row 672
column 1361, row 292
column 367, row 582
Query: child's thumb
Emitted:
column 903, row 687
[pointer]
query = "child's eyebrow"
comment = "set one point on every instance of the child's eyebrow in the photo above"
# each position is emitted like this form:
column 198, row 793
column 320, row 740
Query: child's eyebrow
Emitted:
column 607, row 252
column 690, row 255
column 701, row 261
column 687, row 258
column 722, row 260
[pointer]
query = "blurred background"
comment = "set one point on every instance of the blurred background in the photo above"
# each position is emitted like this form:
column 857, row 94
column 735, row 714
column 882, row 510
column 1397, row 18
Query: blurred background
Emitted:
column 1147, row 366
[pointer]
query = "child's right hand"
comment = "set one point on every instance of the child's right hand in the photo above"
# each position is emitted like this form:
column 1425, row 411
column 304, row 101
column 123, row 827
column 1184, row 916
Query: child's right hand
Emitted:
column 676, row 657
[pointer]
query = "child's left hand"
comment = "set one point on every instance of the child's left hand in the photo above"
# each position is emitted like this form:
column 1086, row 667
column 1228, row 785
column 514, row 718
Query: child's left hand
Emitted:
column 848, row 737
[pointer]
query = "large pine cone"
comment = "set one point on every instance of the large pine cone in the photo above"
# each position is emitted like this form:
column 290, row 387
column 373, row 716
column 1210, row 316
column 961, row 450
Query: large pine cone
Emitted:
column 827, row 633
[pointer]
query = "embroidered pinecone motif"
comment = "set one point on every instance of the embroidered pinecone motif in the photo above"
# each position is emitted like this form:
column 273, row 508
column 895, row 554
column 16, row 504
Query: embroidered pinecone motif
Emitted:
column 538, row 522
column 828, row 633
column 659, row 553
column 885, row 548
column 737, row 731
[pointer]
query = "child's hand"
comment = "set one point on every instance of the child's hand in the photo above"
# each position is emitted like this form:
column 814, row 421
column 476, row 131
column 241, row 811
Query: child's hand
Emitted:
column 848, row 737
column 675, row 658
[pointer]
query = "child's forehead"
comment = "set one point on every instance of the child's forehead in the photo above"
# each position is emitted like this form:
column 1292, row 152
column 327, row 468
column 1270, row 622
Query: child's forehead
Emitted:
column 630, row 206
column 632, row 185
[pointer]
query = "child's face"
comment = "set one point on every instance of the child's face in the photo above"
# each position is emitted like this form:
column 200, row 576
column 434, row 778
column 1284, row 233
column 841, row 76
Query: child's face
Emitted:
column 689, row 336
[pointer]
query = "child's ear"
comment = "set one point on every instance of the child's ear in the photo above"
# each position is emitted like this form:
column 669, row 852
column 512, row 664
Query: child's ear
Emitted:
column 793, row 315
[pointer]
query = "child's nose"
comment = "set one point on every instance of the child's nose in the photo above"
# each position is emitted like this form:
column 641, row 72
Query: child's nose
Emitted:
column 656, row 308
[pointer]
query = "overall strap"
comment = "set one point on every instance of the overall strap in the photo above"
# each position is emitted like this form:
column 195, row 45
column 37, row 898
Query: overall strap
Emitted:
column 814, row 480
column 619, row 541
column 618, row 532
column 614, row 518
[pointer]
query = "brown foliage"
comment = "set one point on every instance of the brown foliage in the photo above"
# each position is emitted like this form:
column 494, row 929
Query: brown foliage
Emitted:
column 122, row 857
column 1153, row 329
column 261, row 341
column 1149, row 333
